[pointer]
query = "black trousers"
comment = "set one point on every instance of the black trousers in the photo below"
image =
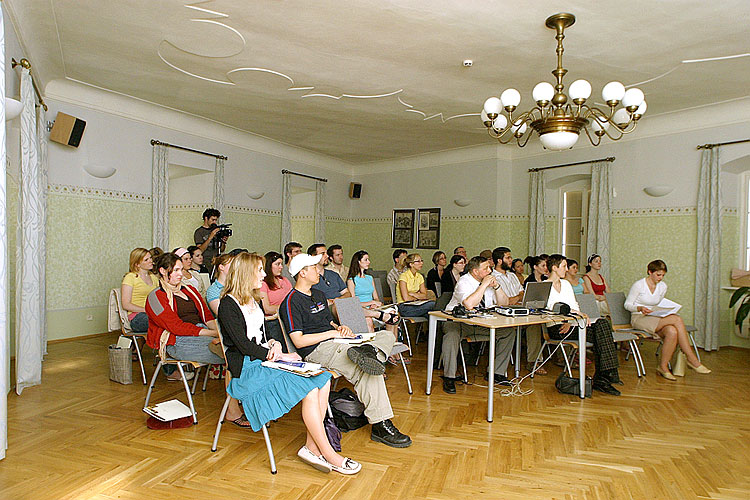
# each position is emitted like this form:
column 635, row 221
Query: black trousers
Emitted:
column 599, row 334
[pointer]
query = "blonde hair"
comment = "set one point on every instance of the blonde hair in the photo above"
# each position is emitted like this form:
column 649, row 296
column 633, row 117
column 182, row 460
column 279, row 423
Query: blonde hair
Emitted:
column 136, row 256
column 410, row 259
column 242, row 276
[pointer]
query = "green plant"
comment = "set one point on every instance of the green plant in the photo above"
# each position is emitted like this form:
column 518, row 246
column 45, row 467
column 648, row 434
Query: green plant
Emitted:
column 741, row 293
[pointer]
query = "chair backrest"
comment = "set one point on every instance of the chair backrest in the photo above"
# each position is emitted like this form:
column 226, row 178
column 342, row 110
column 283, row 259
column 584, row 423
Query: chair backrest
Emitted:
column 224, row 350
column 351, row 314
column 392, row 286
column 438, row 289
column 290, row 347
column 116, row 297
column 205, row 280
column 587, row 301
column 379, row 288
column 617, row 312
column 442, row 302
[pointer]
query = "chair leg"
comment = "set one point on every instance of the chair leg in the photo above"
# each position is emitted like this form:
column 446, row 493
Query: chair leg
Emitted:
column 695, row 347
column 330, row 412
column 635, row 360
column 406, row 373
column 463, row 362
column 270, row 449
column 153, row 382
column 481, row 352
column 567, row 364
column 221, row 421
column 536, row 361
column 187, row 391
column 638, row 356
column 134, row 338
column 196, row 374
column 205, row 378
column 405, row 331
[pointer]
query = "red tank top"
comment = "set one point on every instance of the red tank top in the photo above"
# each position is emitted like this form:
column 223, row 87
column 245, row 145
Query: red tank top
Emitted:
column 598, row 289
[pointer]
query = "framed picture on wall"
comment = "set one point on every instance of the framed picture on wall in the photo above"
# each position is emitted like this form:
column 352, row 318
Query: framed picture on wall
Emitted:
column 428, row 233
column 403, row 228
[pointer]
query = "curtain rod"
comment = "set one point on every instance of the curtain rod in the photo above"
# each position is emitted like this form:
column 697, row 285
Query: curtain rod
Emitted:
column 285, row 171
column 154, row 142
column 609, row 158
column 26, row 64
column 711, row 146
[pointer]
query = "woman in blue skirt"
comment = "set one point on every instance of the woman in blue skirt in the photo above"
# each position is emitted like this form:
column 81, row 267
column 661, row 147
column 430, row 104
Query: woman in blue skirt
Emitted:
column 266, row 393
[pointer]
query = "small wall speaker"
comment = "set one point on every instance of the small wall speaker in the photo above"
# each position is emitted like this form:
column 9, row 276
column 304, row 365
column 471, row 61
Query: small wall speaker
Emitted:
column 67, row 130
column 355, row 190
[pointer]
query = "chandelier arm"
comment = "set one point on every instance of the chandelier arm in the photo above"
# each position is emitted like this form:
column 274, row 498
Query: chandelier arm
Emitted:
column 591, row 139
column 525, row 136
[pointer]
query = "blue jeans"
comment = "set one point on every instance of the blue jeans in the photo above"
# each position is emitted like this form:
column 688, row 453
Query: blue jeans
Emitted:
column 194, row 349
column 139, row 323
column 411, row 311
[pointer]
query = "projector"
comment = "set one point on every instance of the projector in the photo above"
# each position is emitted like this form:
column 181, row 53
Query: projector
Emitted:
column 513, row 311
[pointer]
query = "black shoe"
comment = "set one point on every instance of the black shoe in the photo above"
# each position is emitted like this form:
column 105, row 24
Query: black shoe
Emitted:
column 385, row 432
column 366, row 357
column 603, row 385
column 613, row 377
column 449, row 385
column 499, row 379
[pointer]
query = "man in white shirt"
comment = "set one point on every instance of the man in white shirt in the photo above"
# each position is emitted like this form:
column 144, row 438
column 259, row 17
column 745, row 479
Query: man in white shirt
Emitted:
column 476, row 288
column 508, row 281
column 399, row 256
column 336, row 261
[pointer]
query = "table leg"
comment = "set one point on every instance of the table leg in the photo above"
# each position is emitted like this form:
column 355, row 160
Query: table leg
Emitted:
column 431, row 334
column 491, row 377
column 582, row 360
column 518, row 351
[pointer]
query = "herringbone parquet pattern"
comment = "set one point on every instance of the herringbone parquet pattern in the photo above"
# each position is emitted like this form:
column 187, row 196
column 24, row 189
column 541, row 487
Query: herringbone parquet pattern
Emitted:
column 78, row 436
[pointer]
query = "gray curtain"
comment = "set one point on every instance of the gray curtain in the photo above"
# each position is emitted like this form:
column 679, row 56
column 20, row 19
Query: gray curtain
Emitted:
column 599, row 220
column 160, row 196
column 708, row 252
column 30, row 257
column 536, row 213
column 320, row 208
column 4, row 338
column 218, row 201
column 286, row 210
column 42, row 143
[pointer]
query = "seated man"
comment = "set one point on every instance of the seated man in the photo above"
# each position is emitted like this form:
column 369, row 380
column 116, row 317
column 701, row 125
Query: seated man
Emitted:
column 399, row 256
column 336, row 261
column 290, row 250
column 330, row 283
column 311, row 328
column 476, row 288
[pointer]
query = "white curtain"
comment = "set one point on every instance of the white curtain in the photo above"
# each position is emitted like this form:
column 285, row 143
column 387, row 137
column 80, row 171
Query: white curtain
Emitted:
column 4, row 337
column 320, row 211
column 219, row 185
column 286, row 209
column 42, row 143
column 536, row 213
column 160, row 196
column 599, row 220
column 30, row 257
column 708, row 252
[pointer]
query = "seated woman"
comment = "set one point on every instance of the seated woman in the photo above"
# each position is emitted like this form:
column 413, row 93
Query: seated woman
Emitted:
column 572, row 276
column 643, row 296
column 273, row 291
column 362, row 286
column 267, row 393
column 179, row 321
column 213, row 294
column 197, row 257
column 538, row 267
column 435, row 275
column 452, row 273
column 155, row 253
column 599, row 333
column 136, row 285
column 518, row 268
column 411, row 287
column 594, row 283
column 189, row 278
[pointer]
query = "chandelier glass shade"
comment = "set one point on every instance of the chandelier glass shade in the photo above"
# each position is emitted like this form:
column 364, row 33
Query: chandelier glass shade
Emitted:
column 559, row 118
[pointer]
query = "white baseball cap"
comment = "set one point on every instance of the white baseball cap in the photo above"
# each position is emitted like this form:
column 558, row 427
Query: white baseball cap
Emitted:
column 303, row 260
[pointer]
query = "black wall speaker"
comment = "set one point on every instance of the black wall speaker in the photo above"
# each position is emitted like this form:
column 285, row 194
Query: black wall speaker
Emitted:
column 355, row 190
column 67, row 130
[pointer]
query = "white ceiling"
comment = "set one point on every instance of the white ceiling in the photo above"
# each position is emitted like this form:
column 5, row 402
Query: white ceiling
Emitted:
column 263, row 65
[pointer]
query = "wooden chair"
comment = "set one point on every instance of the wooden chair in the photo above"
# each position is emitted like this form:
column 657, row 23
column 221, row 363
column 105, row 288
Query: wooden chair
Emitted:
column 621, row 323
column 352, row 315
column 572, row 343
column 223, row 414
column 124, row 326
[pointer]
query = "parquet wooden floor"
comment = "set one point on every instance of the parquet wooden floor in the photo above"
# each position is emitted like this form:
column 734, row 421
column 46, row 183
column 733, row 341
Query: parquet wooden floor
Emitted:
column 80, row 436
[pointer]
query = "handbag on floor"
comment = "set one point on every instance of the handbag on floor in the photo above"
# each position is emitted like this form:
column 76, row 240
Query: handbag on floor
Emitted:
column 348, row 411
column 571, row 385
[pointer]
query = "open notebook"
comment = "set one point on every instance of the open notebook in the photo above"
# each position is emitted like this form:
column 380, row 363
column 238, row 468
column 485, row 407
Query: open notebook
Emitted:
column 168, row 410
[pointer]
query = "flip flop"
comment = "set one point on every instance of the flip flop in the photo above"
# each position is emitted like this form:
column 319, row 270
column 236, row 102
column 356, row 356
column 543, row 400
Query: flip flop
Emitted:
column 241, row 421
column 392, row 318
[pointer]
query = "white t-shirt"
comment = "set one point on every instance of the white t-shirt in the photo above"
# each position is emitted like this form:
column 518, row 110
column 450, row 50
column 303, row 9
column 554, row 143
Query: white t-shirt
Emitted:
column 465, row 286
column 508, row 282
column 565, row 295
column 254, row 320
column 640, row 295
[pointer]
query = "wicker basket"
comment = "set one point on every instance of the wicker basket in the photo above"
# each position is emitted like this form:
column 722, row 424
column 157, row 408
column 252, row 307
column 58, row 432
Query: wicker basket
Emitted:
column 120, row 365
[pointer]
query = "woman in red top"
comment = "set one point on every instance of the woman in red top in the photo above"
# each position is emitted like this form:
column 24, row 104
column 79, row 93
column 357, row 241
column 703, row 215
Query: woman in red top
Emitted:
column 594, row 283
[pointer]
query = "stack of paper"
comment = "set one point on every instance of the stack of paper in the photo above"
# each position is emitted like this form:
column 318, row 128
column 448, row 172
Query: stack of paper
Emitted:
column 360, row 338
column 297, row 367
column 168, row 410
column 664, row 308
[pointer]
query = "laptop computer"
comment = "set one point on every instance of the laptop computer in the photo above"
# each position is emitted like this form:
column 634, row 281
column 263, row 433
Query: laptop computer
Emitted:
column 536, row 294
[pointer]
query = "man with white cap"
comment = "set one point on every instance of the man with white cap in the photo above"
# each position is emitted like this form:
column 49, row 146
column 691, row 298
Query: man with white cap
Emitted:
column 311, row 328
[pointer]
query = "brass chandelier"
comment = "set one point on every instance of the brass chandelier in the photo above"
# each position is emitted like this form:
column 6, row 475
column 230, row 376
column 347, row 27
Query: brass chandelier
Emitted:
column 558, row 118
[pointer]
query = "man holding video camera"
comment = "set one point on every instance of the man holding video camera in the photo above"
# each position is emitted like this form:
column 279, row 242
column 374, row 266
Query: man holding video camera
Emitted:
column 211, row 237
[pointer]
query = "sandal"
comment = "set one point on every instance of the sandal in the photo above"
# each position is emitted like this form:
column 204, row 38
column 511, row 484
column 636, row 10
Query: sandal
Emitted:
column 393, row 318
column 241, row 421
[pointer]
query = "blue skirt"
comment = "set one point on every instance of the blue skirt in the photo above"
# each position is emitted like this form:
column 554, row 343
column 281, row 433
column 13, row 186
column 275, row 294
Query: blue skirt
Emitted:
column 267, row 394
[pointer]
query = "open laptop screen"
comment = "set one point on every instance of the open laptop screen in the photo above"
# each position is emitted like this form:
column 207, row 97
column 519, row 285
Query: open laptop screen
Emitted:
column 536, row 294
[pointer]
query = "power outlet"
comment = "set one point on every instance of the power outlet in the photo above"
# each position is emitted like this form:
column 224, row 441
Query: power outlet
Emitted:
column 89, row 318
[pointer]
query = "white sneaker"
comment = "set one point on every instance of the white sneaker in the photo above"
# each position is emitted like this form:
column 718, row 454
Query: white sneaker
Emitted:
column 313, row 460
column 349, row 467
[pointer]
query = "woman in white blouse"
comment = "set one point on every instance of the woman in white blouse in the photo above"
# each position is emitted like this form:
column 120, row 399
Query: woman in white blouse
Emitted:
column 599, row 333
column 643, row 296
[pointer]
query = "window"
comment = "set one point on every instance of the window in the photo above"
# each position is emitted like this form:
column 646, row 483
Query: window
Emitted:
column 574, row 199
column 745, row 220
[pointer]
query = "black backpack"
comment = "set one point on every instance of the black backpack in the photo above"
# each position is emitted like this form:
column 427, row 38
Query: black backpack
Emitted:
column 348, row 410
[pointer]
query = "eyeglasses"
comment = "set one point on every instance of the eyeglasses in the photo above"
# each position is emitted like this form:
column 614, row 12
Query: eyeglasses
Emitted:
column 417, row 261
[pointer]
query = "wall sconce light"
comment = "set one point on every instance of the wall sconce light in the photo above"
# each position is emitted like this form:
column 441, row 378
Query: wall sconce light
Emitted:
column 462, row 202
column 99, row 171
column 13, row 108
column 658, row 191
column 256, row 195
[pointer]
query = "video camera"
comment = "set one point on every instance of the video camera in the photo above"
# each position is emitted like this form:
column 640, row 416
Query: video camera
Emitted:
column 224, row 232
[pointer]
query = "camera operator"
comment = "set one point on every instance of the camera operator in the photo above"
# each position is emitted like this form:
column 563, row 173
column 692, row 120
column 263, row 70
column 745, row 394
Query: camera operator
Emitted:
column 210, row 237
